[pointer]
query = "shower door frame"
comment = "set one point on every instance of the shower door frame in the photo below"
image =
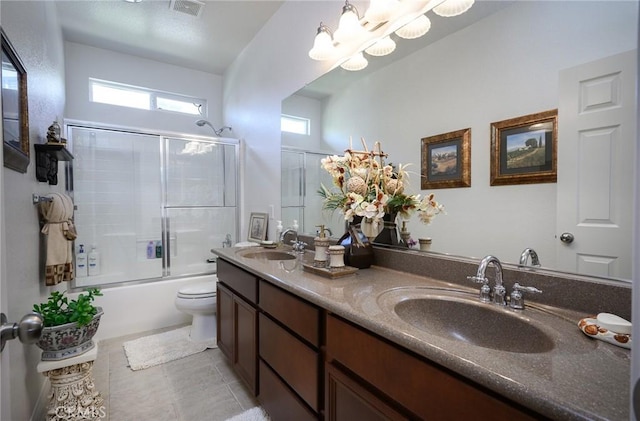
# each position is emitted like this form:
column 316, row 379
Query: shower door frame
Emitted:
column 163, row 137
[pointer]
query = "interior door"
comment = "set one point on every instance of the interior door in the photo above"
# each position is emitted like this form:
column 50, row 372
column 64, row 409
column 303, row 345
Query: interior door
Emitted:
column 596, row 134
column 4, row 381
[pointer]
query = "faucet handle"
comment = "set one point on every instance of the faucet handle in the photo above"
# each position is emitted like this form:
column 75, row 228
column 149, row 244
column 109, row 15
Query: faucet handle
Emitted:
column 485, row 290
column 298, row 246
column 517, row 299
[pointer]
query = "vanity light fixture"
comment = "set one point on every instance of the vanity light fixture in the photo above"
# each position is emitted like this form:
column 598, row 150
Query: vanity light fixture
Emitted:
column 371, row 33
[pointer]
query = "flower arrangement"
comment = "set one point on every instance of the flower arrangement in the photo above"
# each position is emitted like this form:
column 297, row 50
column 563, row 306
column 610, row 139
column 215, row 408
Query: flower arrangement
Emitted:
column 368, row 187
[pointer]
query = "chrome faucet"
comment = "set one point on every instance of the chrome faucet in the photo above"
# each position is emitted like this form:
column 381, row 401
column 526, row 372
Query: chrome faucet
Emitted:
column 227, row 241
column 524, row 257
column 499, row 291
column 298, row 246
column 288, row 231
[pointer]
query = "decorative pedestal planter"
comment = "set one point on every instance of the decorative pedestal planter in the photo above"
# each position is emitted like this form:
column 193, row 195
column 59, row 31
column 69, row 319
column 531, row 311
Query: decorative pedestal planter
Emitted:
column 73, row 395
column 68, row 340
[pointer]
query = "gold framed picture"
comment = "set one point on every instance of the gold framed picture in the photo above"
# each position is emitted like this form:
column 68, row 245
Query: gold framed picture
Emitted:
column 446, row 160
column 524, row 149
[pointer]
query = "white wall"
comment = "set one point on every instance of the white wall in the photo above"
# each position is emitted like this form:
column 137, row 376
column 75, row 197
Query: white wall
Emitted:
column 33, row 30
column 84, row 62
column 502, row 67
column 311, row 108
column 252, row 99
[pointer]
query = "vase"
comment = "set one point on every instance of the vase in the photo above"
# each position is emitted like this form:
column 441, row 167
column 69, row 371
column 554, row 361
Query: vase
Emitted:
column 358, row 252
column 68, row 340
column 389, row 233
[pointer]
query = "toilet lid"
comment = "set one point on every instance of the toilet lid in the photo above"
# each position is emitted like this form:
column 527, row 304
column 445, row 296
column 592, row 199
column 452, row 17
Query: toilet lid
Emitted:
column 202, row 289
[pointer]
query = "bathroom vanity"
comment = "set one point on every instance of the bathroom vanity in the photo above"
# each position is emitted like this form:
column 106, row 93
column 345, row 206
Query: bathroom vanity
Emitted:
column 372, row 345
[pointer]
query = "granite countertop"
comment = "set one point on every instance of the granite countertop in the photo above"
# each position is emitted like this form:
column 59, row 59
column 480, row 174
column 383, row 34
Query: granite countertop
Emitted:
column 579, row 379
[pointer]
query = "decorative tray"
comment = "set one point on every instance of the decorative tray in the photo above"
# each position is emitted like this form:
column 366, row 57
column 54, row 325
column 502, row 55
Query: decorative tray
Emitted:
column 329, row 272
column 589, row 326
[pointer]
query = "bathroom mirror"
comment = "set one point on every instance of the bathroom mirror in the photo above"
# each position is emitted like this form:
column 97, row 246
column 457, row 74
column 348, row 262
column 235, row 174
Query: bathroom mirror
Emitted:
column 15, row 111
column 482, row 219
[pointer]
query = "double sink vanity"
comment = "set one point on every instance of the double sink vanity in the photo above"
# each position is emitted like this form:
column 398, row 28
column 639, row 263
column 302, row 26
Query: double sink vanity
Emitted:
column 409, row 338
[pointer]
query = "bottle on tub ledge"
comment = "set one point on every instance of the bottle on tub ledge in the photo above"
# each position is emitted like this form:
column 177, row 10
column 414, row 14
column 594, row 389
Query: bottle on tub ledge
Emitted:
column 94, row 261
column 81, row 262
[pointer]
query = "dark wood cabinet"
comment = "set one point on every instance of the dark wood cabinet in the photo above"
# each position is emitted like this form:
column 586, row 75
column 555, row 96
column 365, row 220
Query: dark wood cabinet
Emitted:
column 237, row 321
column 304, row 363
column 416, row 387
column 289, row 350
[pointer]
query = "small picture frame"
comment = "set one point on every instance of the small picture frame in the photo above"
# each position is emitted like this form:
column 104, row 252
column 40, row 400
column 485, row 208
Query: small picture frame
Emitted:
column 446, row 160
column 524, row 149
column 258, row 227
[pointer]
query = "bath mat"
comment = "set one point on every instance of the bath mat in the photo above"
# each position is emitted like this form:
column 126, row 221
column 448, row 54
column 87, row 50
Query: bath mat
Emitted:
column 157, row 349
column 253, row 414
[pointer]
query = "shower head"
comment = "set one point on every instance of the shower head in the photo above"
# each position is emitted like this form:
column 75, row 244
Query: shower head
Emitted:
column 201, row 123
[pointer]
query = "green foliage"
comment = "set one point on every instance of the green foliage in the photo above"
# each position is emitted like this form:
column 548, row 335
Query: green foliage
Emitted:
column 59, row 310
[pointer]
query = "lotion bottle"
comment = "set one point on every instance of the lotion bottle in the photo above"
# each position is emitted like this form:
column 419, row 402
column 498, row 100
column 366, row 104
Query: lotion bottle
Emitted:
column 151, row 250
column 94, row 261
column 81, row 262
column 279, row 229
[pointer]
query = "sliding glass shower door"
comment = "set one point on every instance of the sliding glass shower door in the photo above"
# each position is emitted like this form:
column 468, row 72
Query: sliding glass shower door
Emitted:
column 152, row 206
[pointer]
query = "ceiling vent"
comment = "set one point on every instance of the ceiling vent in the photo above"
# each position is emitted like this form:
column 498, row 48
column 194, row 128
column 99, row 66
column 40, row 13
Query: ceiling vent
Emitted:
column 190, row 7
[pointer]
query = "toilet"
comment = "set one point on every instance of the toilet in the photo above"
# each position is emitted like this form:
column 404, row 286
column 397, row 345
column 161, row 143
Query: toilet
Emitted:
column 199, row 300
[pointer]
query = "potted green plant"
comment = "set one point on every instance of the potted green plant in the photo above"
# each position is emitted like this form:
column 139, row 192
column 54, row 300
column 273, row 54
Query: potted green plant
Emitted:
column 69, row 324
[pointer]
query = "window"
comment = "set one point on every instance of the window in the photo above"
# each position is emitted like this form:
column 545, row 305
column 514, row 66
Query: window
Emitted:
column 122, row 95
column 293, row 124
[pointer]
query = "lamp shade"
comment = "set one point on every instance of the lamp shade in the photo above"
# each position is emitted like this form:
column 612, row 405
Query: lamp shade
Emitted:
column 382, row 47
column 380, row 10
column 349, row 25
column 322, row 44
column 451, row 8
column 355, row 63
column 415, row 29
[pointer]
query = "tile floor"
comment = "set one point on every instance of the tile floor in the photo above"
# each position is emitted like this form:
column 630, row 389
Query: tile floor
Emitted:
column 200, row 387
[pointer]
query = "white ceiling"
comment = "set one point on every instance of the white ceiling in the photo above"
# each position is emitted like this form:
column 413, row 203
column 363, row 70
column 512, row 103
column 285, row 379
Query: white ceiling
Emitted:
column 150, row 29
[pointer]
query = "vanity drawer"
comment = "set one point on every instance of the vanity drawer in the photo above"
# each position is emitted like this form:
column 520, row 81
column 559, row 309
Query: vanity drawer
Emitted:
column 278, row 400
column 295, row 362
column 424, row 389
column 240, row 281
column 299, row 316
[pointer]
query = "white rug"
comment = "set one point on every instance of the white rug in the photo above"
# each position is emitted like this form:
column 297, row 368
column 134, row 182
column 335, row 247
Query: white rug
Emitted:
column 253, row 414
column 157, row 349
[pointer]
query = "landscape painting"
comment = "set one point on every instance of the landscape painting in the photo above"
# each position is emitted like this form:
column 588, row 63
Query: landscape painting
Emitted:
column 523, row 149
column 446, row 160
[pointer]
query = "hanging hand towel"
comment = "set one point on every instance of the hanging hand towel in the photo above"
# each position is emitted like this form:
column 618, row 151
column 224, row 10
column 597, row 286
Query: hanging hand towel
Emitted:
column 60, row 232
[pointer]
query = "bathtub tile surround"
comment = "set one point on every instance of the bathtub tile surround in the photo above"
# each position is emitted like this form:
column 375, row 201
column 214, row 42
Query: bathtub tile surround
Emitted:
column 201, row 387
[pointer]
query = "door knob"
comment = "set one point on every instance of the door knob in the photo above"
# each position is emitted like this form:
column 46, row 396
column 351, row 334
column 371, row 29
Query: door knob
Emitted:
column 567, row 237
column 28, row 330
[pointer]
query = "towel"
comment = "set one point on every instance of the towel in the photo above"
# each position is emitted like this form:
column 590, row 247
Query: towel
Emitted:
column 60, row 232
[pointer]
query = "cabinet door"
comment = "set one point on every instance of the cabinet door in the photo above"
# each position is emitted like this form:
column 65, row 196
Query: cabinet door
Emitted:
column 246, row 355
column 225, row 321
column 346, row 400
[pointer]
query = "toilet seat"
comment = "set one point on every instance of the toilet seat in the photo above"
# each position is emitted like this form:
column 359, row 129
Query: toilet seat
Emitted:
column 200, row 290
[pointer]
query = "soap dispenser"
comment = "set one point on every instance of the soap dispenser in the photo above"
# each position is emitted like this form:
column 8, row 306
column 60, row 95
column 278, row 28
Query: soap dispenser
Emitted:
column 321, row 245
column 279, row 229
